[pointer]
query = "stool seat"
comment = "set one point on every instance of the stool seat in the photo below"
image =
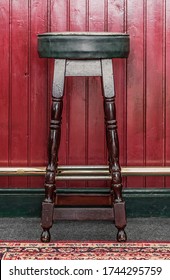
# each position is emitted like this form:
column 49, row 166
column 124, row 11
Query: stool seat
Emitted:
column 83, row 45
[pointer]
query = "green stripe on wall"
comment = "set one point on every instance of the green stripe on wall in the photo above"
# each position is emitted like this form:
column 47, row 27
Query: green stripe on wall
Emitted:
column 139, row 202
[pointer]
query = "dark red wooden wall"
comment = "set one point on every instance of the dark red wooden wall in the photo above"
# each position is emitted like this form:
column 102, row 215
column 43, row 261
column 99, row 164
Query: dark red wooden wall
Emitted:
column 142, row 87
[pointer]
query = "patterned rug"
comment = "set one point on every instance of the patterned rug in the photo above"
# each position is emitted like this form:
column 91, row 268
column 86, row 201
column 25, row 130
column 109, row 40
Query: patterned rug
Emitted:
column 84, row 251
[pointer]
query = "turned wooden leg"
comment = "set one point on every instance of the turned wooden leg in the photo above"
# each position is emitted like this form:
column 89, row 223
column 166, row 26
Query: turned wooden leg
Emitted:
column 113, row 149
column 53, row 148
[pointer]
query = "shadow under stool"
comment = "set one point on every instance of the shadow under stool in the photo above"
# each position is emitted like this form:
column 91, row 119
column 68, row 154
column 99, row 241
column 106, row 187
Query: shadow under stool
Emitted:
column 83, row 54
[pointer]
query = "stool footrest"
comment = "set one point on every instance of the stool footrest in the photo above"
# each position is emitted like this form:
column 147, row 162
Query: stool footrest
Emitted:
column 74, row 213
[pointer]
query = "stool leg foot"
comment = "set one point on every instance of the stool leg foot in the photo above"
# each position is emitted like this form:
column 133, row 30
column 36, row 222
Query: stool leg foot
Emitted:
column 46, row 220
column 120, row 220
column 45, row 236
column 121, row 235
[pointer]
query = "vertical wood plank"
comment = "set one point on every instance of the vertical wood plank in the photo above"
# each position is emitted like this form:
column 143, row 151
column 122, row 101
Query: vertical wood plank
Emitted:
column 4, row 85
column 59, row 20
column 135, row 90
column 96, row 15
column 77, row 15
column 19, row 90
column 167, row 88
column 77, row 121
column 38, row 91
column 154, row 97
column 96, row 130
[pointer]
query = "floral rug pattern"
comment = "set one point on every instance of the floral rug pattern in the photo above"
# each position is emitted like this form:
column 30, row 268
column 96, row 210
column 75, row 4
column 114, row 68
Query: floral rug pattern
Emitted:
column 84, row 251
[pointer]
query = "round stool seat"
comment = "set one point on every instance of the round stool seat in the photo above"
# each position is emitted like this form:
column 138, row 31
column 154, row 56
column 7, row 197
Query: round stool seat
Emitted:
column 83, row 45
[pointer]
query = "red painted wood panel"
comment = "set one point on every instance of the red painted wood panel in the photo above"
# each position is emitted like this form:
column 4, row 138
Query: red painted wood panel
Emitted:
column 136, row 89
column 18, row 102
column 142, row 88
column 38, row 90
column 154, row 89
column 4, row 85
column 166, row 85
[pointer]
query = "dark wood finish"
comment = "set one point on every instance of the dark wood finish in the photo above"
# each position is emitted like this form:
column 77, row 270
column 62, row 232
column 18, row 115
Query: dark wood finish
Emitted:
column 46, row 220
column 113, row 146
column 83, row 200
column 54, row 142
column 83, row 213
column 55, row 129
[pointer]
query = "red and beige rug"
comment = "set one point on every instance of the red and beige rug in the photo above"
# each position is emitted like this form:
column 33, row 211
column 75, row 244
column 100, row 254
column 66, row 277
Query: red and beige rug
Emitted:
column 84, row 251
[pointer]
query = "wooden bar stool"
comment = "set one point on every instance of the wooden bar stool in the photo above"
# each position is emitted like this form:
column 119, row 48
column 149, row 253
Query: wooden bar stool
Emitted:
column 83, row 54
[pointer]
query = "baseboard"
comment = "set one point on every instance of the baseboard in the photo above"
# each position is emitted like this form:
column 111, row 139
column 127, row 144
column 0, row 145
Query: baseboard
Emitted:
column 139, row 202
